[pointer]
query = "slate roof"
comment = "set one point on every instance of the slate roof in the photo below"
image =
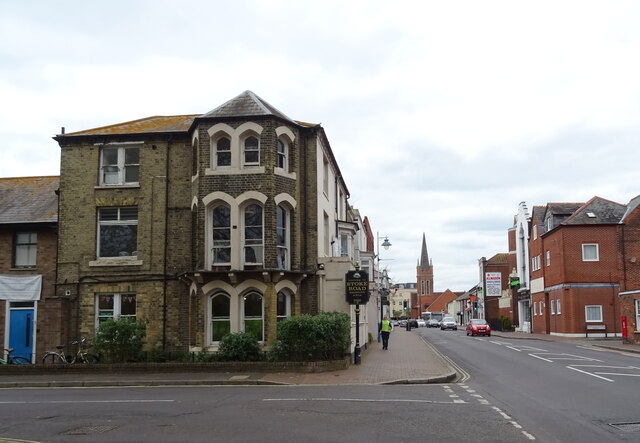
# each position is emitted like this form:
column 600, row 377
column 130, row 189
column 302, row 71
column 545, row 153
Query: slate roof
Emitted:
column 597, row 211
column 246, row 104
column 29, row 200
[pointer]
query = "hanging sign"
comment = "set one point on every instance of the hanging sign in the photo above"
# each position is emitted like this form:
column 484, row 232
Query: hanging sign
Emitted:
column 357, row 287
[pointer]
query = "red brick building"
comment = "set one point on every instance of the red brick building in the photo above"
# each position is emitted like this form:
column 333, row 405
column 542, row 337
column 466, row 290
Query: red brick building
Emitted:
column 629, row 253
column 573, row 251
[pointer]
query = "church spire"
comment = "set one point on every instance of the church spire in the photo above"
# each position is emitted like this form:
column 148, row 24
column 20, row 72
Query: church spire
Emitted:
column 424, row 255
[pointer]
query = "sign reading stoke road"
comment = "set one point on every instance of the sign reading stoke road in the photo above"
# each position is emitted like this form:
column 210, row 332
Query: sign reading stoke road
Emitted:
column 357, row 287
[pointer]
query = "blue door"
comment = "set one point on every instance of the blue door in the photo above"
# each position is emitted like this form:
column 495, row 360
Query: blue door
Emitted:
column 21, row 332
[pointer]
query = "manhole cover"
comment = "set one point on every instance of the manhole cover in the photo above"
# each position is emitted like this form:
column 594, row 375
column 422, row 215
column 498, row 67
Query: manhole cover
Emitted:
column 88, row 430
column 627, row 427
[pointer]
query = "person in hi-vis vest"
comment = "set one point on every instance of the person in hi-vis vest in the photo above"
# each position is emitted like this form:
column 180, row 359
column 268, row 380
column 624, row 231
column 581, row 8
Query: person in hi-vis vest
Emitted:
column 385, row 330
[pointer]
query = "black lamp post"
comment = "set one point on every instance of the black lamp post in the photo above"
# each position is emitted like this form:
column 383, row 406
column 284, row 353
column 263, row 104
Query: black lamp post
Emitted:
column 385, row 244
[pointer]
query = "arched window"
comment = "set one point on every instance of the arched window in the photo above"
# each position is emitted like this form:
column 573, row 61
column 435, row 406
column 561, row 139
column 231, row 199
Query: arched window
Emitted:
column 282, row 234
column 252, row 314
column 220, row 316
column 223, row 152
column 282, row 159
column 251, row 151
column 221, row 232
column 283, row 305
column 253, row 235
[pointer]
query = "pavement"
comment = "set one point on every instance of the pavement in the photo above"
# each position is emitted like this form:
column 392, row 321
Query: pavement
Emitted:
column 410, row 359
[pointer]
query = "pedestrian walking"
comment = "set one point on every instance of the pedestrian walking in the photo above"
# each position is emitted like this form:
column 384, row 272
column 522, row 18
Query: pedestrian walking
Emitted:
column 385, row 330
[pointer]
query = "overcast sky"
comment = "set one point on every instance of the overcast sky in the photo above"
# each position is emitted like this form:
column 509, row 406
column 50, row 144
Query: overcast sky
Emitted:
column 443, row 115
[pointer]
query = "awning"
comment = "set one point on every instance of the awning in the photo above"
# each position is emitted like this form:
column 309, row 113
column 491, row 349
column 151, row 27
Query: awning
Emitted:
column 24, row 288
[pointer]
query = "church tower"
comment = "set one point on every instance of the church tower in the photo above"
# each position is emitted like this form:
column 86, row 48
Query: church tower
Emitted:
column 424, row 277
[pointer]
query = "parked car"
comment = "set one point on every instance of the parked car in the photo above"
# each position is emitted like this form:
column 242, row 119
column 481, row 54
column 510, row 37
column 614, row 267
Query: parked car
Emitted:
column 413, row 322
column 402, row 323
column 448, row 323
column 433, row 323
column 421, row 323
column 478, row 326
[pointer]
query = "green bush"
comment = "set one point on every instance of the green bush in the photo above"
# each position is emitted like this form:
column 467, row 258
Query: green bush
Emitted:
column 324, row 336
column 506, row 323
column 240, row 346
column 120, row 340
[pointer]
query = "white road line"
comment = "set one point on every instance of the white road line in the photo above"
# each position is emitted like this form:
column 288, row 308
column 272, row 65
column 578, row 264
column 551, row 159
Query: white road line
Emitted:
column 618, row 373
column 541, row 358
column 365, row 400
column 81, row 401
column 589, row 373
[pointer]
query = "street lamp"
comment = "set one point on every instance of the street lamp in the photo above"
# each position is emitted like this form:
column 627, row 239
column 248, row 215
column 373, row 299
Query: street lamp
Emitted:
column 385, row 244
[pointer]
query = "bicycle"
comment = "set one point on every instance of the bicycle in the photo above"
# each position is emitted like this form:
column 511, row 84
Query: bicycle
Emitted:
column 13, row 359
column 59, row 357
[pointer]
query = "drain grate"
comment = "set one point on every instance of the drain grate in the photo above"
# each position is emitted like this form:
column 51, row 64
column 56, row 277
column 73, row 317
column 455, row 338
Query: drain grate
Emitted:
column 627, row 427
column 88, row 430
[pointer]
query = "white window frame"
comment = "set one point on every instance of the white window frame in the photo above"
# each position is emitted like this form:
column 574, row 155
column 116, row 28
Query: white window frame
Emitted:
column 535, row 308
column 121, row 173
column 535, row 232
column 549, row 223
column 258, row 246
column 597, row 308
column 218, row 152
column 283, row 249
column 585, row 246
column 116, row 313
column 558, row 310
column 535, row 263
column 221, row 318
column 553, row 307
column 637, row 315
column 220, row 244
column 246, row 152
column 282, row 155
column 118, row 222
column 548, row 258
column 25, row 249
column 287, row 305
column 245, row 317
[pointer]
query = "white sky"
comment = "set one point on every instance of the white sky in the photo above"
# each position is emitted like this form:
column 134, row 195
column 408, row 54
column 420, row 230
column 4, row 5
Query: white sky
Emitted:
column 443, row 115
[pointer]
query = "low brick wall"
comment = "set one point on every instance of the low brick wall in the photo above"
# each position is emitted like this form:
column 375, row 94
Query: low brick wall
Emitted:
column 304, row 367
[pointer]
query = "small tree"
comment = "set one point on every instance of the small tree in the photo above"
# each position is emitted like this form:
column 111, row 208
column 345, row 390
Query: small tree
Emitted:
column 120, row 340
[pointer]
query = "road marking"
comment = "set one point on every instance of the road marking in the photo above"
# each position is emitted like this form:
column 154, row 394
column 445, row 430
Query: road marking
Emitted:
column 365, row 400
column 589, row 373
column 525, row 348
column 81, row 401
column 550, row 357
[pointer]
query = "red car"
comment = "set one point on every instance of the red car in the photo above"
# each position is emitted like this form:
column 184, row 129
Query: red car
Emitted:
column 478, row 326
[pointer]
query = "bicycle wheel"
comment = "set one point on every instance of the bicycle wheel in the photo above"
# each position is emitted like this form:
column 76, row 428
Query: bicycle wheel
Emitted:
column 89, row 359
column 19, row 361
column 50, row 359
